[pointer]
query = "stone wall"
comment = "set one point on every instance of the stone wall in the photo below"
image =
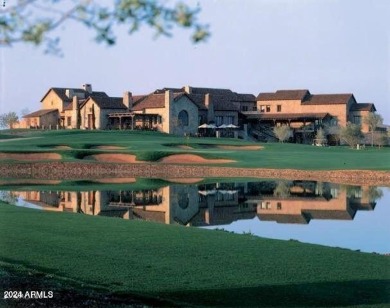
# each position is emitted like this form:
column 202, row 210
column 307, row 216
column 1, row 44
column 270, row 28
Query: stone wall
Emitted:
column 75, row 170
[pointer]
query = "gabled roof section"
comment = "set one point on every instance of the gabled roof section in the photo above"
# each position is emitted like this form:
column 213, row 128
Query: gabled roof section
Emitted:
column 150, row 101
column 156, row 100
column 328, row 99
column 245, row 97
column 39, row 113
column 107, row 102
column 162, row 91
column 69, row 105
column 284, row 95
column 363, row 107
column 61, row 93
column 212, row 91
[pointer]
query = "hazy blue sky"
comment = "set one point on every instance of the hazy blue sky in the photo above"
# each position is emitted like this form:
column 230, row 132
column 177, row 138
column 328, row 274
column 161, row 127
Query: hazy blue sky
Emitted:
column 256, row 46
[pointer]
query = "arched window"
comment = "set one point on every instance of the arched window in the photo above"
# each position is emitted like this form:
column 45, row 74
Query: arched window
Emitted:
column 183, row 118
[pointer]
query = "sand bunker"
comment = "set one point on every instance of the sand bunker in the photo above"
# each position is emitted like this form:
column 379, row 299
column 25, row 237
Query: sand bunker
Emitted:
column 108, row 147
column 30, row 156
column 114, row 158
column 192, row 159
column 240, row 147
column 116, row 180
column 185, row 147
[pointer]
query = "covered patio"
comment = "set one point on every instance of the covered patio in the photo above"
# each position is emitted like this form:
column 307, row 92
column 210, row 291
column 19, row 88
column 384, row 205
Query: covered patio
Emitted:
column 303, row 125
column 134, row 121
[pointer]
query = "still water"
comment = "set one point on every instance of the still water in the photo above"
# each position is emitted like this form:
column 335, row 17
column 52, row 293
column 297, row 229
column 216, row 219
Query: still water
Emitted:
column 353, row 217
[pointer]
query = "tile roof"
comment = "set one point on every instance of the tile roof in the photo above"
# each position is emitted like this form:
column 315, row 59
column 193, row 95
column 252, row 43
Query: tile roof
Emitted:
column 363, row 107
column 285, row 218
column 108, row 102
column 285, row 116
column 149, row 215
column 246, row 97
column 331, row 214
column 328, row 99
column 212, row 91
column 39, row 113
column 223, row 99
column 221, row 103
column 174, row 90
column 69, row 105
column 156, row 100
column 150, row 101
column 61, row 92
column 284, row 95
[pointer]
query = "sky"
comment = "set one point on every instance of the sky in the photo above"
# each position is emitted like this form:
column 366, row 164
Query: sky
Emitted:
column 325, row 46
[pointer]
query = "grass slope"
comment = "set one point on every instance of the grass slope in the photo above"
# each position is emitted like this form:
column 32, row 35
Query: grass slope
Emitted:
column 189, row 266
column 152, row 146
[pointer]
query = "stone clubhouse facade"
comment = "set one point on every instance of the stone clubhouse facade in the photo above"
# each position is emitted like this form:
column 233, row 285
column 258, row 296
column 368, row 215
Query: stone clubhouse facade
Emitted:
column 181, row 111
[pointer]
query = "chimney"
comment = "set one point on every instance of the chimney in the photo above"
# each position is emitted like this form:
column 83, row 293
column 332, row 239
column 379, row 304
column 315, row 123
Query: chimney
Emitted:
column 187, row 89
column 207, row 100
column 69, row 93
column 75, row 101
column 210, row 108
column 168, row 98
column 128, row 100
column 88, row 88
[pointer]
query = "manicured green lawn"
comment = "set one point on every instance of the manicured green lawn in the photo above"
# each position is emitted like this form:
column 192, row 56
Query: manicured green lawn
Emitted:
column 188, row 266
column 152, row 146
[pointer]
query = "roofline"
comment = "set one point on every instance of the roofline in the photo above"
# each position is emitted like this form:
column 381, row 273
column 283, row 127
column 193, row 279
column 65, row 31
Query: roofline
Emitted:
column 48, row 91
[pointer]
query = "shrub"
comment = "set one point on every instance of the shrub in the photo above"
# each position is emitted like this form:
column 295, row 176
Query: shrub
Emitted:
column 282, row 132
column 351, row 134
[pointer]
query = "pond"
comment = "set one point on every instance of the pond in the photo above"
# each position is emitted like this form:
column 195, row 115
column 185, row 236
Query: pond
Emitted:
column 352, row 217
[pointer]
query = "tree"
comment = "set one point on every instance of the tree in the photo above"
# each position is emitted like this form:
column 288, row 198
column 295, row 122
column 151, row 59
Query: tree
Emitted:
column 380, row 139
column 320, row 137
column 34, row 21
column 8, row 120
column 282, row 132
column 93, row 117
column 372, row 120
column 78, row 116
column 282, row 189
column 332, row 130
column 351, row 134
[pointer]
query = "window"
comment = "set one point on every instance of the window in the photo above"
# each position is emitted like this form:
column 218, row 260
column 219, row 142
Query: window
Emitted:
column 68, row 121
column 268, row 108
column 279, row 205
column 218, row 120
column 265, row 205
column 357, row 120
column 279, row 108
column 244, row 108
column 183, row 118
column 254, row 108
column 262, row 108
column 229, row 120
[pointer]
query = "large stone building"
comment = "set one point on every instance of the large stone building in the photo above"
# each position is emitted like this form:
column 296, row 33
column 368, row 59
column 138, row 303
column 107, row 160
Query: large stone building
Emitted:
column 181, row 111
column 59, row 108
column 305, row 112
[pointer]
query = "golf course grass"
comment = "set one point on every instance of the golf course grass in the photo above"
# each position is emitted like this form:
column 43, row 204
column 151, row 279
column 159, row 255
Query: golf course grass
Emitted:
column 183, row 266
column 75, row 145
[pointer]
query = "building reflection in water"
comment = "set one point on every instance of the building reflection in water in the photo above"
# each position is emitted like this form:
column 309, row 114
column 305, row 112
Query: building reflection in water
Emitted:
column 295, row 202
